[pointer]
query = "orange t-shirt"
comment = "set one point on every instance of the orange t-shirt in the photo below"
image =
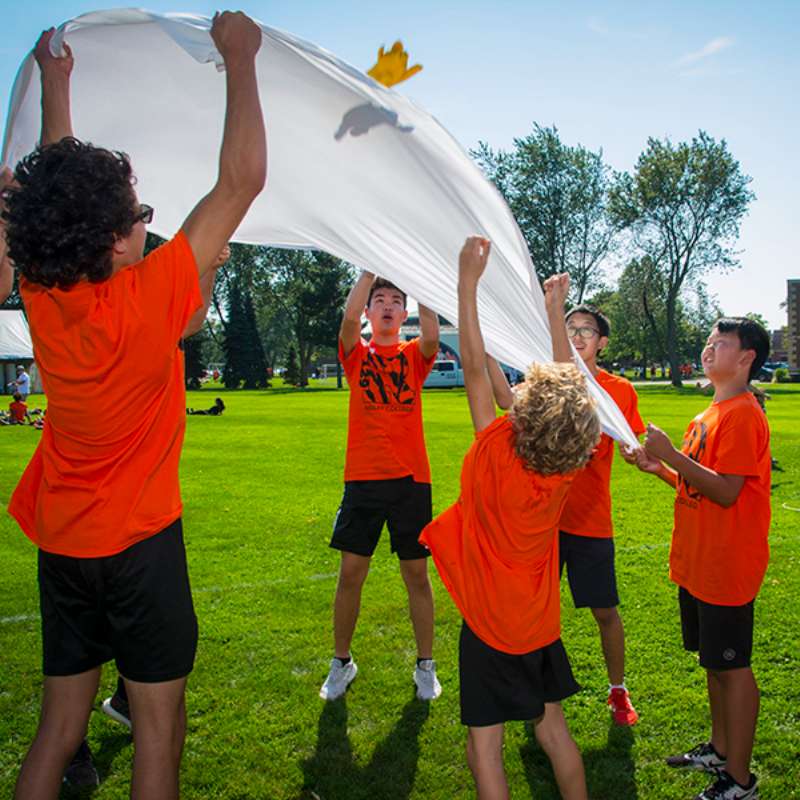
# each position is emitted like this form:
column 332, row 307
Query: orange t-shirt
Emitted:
column 720, row 554
column 105, row 473
column 384, row 437
column 18, row 411
column 496, row 549
column 588, row 508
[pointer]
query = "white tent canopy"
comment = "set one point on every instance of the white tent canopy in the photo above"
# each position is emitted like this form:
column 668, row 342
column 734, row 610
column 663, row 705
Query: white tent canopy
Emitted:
column 15, row 337
column 355, row 169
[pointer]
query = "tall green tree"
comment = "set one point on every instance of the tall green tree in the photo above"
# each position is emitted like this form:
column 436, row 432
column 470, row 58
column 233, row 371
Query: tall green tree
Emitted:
column 194, row 351
column 559, row 197
column 683, row 205
column 244, row 355
column 312, row 288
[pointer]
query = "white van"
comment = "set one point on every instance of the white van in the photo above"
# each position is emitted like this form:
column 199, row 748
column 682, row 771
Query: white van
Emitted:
column 444, row 375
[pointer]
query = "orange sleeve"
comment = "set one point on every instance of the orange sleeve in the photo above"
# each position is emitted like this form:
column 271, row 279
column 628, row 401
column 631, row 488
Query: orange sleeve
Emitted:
column 632, row 413
column 166, row 287
column 422, row 365
column 350, row 362
column 741, row 443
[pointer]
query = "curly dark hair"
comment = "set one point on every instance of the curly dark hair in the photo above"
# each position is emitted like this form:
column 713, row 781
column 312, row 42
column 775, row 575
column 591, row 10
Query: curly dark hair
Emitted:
column 73, row 200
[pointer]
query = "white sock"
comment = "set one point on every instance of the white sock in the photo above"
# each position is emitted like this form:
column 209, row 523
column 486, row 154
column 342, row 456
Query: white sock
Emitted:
column 612, row 686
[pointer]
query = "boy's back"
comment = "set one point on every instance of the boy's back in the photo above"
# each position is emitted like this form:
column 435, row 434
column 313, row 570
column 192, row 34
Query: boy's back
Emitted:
column 118, row 342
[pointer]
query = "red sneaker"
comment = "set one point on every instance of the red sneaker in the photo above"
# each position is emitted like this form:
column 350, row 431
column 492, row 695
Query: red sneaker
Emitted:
column 622, row 711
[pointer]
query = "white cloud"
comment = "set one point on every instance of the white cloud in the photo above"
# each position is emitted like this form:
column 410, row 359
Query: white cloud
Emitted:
column 711, row 48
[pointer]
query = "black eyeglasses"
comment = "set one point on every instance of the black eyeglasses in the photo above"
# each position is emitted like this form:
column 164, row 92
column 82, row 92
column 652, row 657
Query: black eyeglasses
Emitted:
column 145, row 214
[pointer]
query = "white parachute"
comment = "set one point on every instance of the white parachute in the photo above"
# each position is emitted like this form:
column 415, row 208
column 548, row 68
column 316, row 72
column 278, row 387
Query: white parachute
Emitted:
column 355, row 169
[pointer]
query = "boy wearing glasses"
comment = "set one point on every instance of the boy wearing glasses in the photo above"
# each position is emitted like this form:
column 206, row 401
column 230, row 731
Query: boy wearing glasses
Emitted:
column 586, row 538
column 100, row 497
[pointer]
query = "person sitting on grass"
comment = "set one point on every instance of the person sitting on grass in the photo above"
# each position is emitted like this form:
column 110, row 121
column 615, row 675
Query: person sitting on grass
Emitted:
column 719, row 550
column 101, row 497
column 387, row 475
column 586, row 544
column 18, row 411
column 215, row 410
column 496, row 549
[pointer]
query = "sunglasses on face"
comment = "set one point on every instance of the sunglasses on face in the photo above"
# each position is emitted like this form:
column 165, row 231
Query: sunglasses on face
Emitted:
column 145, row 214
column 583, row 332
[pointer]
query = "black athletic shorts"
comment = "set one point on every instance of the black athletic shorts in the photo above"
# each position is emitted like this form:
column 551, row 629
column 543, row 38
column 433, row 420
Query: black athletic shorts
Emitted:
column 400, row 503
column 134, row 607
column 590, row 569
column 723, row 635
column 498, row 687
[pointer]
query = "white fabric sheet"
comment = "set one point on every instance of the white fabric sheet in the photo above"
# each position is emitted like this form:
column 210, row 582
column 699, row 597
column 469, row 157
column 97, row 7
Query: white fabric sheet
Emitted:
column 15, row 337
column 355, row 169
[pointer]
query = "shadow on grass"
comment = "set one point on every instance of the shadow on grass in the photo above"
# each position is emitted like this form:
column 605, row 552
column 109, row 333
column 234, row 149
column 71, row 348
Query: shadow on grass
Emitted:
column 610, row 770
column 111, row 743
column 332, row 773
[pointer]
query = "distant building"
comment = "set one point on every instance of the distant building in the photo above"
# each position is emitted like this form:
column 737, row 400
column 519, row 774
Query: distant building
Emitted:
column 793, row 328
column 777, row 349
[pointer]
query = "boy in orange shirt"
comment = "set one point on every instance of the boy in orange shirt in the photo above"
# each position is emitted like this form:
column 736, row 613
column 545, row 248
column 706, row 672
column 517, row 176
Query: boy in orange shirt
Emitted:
column 496, row 549
column 719, row 550
column 586, row 543
column 387, row 476
column 18, row 410
column 101, row 497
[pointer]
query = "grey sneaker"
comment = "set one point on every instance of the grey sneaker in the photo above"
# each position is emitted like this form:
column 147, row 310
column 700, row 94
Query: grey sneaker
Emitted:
column 118, row 709
column 339, row 678
column 703, row 757
column 726, row 788
column 428, row 686
column 81, row 772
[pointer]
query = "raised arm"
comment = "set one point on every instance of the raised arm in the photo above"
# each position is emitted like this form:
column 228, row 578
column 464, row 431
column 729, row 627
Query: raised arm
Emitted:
column 428, row 332
column 719, row 488
column 194, row 325
column 55, row 76
column 243, row 157
column 471, row 264
column 503, row 393
column 350, row 330
column 555, row 296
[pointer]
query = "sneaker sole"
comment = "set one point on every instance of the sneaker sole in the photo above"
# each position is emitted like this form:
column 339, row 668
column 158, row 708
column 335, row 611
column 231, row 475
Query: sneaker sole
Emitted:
column 110, row 711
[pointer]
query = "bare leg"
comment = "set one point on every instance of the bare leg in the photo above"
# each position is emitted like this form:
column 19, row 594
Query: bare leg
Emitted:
column 717, row 705
column 352, row 574
column 740, row 698
column 420, row 603
column 612, row 637
column 66, row 705
column 159, row 711
column 554, row 737
column 485, row 759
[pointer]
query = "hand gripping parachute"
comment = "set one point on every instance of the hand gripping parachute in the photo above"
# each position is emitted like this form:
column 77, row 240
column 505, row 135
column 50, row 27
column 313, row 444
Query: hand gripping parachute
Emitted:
column 355, row 169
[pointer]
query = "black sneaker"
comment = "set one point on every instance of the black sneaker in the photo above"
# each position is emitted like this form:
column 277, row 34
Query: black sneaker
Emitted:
column 703, row 757
column 81, row 772
column 117, row 708
column 726, row 788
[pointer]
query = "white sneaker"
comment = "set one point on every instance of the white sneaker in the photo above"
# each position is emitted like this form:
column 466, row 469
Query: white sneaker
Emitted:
column 428, row 686
column 339, row 678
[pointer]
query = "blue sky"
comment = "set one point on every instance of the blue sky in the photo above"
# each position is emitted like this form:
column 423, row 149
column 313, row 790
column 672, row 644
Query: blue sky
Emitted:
column 607, row 74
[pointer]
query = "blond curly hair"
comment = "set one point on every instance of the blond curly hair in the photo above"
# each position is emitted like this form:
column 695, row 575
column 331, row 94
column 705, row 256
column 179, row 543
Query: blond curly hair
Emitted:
column 554, row 419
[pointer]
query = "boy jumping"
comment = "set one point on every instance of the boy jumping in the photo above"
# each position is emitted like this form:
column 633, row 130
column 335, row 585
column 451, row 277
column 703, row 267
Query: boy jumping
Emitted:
column 387, row 476
column 719, row 550
column 496, row 549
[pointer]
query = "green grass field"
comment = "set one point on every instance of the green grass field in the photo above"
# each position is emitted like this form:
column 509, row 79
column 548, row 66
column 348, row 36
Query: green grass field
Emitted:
column 261, row 486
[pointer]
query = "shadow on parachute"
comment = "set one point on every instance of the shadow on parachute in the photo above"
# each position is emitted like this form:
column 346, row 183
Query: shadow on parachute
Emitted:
column 362, row 119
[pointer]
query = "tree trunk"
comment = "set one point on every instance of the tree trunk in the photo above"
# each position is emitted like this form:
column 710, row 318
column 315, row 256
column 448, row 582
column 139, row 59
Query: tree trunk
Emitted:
column 338, row 374
column 672, row 343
